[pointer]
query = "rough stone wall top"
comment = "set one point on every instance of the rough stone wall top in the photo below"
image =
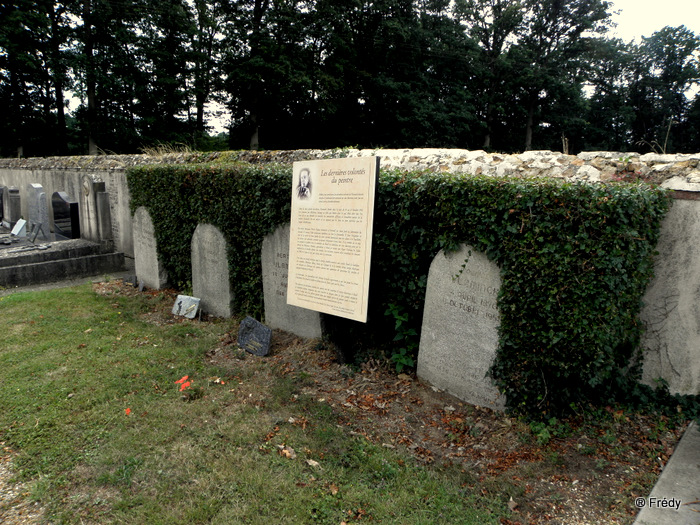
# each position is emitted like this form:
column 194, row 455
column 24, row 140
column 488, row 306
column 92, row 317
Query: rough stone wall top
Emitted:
column 105, row 162
column 679, row 171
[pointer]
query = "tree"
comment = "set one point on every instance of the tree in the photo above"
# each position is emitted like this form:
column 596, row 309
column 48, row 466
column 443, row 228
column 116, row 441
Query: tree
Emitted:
column 164, row 35
column 665, row 67
column 610, row 113
column 551, row 54
column 206, row 55
column 25, row 83
column 493, row 25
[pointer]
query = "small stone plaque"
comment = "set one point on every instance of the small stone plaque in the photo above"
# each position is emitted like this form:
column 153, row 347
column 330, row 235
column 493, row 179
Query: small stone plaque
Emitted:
column 20, row 228
column 186, row 306
column 254, row 337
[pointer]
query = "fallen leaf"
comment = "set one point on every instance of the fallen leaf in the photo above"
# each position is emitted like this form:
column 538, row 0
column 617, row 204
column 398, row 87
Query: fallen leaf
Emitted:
column 313, row 463
column 287, row 452
column 333, row 489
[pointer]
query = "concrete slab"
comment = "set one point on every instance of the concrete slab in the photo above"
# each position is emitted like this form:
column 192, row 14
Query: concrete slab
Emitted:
column 675, row 499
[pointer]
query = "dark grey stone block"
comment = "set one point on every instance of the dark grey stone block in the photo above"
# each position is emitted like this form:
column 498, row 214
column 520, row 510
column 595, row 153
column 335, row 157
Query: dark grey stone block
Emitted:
column 254, row 337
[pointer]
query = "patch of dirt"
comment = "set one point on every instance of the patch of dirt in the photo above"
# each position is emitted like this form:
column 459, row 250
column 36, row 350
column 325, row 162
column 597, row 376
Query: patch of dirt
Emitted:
column 15, row 505
column 582, row 474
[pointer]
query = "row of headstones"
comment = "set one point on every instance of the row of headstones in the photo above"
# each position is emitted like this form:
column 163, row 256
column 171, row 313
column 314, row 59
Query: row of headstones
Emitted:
column 460, row 325
column 65, row 212
column 459, row 336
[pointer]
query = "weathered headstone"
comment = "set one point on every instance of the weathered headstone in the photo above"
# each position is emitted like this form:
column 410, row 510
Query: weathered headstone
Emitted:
column 149, row 269
column 95, row 212
column 671, row 312
column 459, row 338
column 210, row 276
column 254, row 337
column 186, row 306
column 11, row 204
column 38, row 211
column 66, row 219
column 104, row 216
column 275, row 266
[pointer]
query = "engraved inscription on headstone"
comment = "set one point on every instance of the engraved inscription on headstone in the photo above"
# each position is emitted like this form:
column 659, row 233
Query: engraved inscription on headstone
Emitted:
column 459, row 338
column 275, row 272
column 254, row 337
column 210, row 275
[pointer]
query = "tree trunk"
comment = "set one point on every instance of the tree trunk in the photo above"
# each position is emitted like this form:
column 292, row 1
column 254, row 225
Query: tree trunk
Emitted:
column 90, row 81
column 255, row 137
column 489, row 126
column 529, row 124
column 58, row 76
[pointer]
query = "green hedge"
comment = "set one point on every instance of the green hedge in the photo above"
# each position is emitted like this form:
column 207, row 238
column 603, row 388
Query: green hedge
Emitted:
column 575, row 260
column 243, row 201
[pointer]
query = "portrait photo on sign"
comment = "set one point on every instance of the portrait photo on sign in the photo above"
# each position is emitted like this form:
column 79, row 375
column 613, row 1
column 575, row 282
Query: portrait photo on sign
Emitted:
column 304, row 185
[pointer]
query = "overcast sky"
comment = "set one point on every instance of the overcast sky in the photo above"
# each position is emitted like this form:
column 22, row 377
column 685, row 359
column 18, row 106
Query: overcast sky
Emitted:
column 644, row 17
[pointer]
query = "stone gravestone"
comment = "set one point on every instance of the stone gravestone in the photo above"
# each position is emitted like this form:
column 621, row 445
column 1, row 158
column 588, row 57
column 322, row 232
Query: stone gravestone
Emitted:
column 95, row 212
column 66, row 219
column 279, row 314
column 12, row 210
column 210, row 276
column 671, row 312
column 254, row 337
column 38, row 211
column 149, row 269
column 459, row 338
column 2, row 195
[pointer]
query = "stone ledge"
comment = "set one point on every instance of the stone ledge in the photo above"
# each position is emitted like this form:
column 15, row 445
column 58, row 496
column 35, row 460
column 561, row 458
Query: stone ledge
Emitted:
column 679, row 172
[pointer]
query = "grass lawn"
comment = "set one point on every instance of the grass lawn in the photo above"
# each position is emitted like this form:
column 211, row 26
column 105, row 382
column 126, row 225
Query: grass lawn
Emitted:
column 104, row 433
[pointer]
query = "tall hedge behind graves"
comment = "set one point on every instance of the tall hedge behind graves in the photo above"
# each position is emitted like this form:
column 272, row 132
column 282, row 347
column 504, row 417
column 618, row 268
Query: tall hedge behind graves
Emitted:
column 245, row 202
column 575, row 260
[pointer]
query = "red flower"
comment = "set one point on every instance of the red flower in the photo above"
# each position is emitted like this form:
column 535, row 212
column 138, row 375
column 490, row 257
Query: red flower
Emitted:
column 184, row 385
column 182, row 380
column 128, row 411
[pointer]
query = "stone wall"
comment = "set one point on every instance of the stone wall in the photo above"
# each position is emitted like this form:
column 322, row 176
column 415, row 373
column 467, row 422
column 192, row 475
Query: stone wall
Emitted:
column 671, row 309
column 679, row 172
